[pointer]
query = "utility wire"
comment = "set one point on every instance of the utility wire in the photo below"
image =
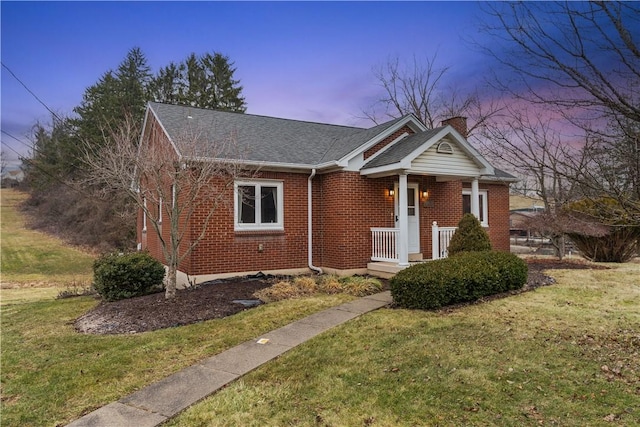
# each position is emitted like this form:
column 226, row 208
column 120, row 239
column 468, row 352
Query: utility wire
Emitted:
column 49, row 174
column 31, row 92
column 19, row 140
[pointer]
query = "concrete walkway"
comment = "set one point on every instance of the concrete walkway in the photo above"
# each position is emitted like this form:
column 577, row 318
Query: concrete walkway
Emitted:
column 160, row 401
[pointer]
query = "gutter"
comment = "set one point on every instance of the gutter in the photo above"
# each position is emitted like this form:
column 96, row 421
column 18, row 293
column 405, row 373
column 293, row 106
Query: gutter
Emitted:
column 310, row 225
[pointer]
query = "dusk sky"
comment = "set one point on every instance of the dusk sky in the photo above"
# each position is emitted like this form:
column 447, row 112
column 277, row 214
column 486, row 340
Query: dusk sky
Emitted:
column 299, row 60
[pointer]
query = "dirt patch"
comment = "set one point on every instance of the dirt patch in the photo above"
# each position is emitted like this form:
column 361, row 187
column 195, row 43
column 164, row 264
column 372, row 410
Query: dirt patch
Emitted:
column 213, row 300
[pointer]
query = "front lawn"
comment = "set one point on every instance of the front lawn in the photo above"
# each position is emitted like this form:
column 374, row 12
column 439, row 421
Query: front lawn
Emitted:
column 567, row 354
column 52, row 375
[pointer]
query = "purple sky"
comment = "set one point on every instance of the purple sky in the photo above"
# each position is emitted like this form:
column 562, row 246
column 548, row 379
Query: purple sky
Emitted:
column 309, row 61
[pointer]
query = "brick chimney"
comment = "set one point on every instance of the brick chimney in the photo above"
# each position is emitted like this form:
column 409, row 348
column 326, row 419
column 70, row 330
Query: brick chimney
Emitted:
column 458, row 123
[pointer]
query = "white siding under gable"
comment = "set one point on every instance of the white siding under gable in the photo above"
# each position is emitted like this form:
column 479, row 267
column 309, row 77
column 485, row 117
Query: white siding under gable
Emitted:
column 457, row 163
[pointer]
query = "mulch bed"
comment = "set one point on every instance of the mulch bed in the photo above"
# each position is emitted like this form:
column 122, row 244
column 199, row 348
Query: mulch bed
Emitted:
column 212, row 300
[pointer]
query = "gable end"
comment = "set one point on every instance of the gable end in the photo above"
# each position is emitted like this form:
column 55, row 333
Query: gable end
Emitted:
column 445, row 158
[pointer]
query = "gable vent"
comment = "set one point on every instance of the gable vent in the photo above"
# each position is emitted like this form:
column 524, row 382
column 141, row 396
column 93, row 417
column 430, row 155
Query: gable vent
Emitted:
column 445, row 147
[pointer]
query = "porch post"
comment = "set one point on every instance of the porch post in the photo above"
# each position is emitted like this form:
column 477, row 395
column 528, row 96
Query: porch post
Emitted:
column 475, row 198
column 403, row 222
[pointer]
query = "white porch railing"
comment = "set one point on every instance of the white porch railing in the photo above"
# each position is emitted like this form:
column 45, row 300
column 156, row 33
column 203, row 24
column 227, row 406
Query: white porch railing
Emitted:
column 384, row 244
column 440, row 238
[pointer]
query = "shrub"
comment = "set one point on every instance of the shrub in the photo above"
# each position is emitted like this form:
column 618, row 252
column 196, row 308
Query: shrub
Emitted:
column 279, row 291
column 469, row 237
column 120, row 276
column 306, row 285
column 603, row 230
column 465, row 277
column 329, row 284
column 360, row 286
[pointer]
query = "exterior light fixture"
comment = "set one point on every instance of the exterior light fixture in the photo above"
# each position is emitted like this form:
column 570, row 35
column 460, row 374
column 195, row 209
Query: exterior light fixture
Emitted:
column 391, row 192
column 425, row 194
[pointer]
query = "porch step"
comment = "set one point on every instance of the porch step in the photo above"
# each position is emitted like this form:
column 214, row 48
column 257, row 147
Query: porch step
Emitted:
column 384, row 270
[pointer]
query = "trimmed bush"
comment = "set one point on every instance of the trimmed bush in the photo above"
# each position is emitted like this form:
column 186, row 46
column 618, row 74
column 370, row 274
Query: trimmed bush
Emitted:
column 466, row 277
column 469, row 237
column 120, row 276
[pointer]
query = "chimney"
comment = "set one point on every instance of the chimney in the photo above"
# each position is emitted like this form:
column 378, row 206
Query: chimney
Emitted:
column 458, row 123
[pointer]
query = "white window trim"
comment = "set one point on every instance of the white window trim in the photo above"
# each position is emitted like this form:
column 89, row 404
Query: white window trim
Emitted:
column 278, row 225
column 485, row 205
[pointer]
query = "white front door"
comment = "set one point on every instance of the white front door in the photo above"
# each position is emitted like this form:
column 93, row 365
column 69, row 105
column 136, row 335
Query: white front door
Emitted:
column 412, row 214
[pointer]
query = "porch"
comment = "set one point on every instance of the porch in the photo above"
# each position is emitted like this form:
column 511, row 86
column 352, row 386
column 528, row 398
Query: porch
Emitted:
column 385, row 258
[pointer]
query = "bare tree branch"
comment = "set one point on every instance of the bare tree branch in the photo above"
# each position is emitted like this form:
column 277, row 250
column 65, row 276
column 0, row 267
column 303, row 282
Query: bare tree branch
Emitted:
column 170, row 184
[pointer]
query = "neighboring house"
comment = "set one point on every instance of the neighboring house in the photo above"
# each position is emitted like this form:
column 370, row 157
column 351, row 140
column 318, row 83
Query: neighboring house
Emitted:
column 12, row 178
column 520, row 220
column 342, row 199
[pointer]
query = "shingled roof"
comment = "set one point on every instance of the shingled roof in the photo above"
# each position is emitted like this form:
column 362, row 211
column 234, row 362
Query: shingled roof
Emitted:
column 267, row 139
column 278, row 141
column 403, row 148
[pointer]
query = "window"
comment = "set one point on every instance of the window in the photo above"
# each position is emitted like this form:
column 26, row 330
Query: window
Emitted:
column 258, row 205
column 466, row 205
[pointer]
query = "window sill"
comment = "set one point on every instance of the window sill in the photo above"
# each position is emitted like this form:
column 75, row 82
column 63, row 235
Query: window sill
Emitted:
column 259, row 232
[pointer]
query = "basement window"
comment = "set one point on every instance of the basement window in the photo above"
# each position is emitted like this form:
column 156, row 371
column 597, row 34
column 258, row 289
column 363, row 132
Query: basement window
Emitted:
column 258, row 205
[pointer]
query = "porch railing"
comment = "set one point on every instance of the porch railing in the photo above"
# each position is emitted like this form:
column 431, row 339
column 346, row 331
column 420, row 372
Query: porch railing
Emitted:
column 384, row 244
column 440, row 238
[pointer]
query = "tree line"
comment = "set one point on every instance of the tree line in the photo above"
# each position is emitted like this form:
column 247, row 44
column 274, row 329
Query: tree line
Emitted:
column 64, row 197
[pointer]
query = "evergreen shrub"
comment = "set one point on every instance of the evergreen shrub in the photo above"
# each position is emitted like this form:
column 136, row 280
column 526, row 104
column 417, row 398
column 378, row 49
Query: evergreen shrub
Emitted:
column 466, row 277
column 469, row 237
column 121, row 276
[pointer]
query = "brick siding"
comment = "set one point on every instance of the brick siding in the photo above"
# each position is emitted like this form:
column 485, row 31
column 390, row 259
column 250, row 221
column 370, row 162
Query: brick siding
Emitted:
column 345, row 206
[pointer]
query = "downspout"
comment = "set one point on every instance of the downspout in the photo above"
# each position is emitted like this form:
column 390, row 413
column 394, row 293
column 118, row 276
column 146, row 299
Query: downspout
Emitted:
column 310, row 224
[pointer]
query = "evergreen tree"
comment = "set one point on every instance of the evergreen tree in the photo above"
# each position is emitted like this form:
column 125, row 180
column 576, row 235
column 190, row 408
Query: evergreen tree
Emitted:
column 469, row 237
column 54, row 158
column 117, row 96
column 204, row 82
column 224, row 93
column 67, row 200
column 169, row 84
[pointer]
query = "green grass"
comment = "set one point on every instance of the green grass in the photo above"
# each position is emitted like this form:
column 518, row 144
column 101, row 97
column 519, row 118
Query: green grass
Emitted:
column 52, row 375
column 567, row 354
column 34, row 259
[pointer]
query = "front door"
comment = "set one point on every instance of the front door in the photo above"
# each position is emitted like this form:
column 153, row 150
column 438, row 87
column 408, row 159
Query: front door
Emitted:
column 412, row 214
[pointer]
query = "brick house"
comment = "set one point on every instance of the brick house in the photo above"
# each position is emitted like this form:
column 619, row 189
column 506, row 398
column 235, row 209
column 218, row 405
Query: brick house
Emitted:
column 334, row 198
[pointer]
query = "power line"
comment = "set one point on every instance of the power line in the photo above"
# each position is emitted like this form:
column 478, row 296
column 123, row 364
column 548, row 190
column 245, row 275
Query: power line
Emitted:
column 31, row 92
column 19, row 140
column 49, row 174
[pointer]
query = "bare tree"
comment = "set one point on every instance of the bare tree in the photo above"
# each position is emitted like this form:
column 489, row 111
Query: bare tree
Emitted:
column 171, row 184
column 575, row 56
column 420, row 88
column 580, row 60
column 526, row 143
